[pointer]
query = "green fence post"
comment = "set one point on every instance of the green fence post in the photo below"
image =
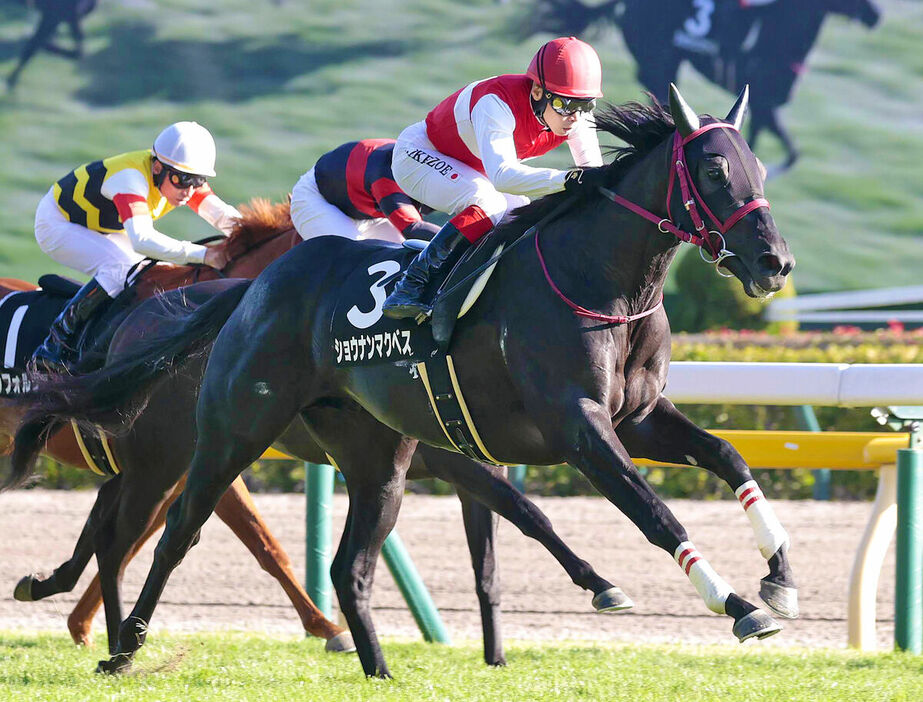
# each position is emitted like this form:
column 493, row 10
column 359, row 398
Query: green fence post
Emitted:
column 908, row 606
column 318, row 490
column 414, row 591
column 807, row 421
column 518, row 477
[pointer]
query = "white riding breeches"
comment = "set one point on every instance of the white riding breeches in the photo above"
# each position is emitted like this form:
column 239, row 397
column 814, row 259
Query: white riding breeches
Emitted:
column 106, row 257
column 313, row 216
column 442, row 182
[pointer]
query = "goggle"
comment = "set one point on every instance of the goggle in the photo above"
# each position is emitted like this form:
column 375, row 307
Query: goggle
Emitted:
column 182, row 180
column 566, row 106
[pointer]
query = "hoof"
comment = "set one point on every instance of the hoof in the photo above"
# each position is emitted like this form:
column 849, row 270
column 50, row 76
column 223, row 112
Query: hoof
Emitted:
column 23, row 589
column 341, row 643
column 612, row 600
column 780, row 599
column 758, row 623
column 118, row 664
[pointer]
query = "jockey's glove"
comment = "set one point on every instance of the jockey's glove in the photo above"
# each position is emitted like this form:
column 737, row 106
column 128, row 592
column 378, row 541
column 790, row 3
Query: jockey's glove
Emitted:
column 585, row 182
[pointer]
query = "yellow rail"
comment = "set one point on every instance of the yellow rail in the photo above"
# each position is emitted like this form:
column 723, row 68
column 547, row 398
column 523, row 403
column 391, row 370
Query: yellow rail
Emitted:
column 841, row 450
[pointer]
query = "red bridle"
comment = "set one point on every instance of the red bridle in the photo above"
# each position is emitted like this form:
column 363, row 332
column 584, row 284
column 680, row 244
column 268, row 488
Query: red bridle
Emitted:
column 712, row 240
column 691, row 201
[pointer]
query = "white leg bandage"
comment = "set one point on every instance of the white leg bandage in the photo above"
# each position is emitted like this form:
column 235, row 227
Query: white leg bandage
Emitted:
column 711, row 587
column 770, row 536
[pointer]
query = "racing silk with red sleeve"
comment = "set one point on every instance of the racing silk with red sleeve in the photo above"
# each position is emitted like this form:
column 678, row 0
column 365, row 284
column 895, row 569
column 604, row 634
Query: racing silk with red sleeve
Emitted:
column 118, row 193
column 490, row 126
column 357, row 179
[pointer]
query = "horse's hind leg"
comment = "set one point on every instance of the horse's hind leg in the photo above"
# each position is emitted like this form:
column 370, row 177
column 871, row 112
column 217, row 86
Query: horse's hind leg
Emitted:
column 481, row 532
column 237, row 510
column 247, row 399
column 583, row 433
column 668, row 435
column 116, row 537
column 40, row 38
column 65, row 576
column 497, row 493
column 374, row 460
column 80, row 620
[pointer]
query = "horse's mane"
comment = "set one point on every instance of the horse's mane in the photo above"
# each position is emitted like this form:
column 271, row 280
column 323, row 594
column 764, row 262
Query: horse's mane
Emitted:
column 642, row 127
column 260, row 220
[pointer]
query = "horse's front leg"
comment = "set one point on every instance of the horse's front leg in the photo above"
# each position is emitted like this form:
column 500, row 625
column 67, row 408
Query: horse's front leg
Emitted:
column 237, row 510
column 667, row 435
column 582, row 431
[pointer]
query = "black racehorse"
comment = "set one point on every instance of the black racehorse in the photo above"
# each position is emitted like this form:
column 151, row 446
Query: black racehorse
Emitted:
column 151, row 467
column 730, row 45
column 53, row 13
column 544, row 385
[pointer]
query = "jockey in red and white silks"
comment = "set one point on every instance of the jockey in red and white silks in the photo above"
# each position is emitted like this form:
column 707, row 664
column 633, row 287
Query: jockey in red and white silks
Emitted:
column 466, row 157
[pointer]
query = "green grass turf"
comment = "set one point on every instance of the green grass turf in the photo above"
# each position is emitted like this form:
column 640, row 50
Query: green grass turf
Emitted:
column 236, row 666
column 280, row 85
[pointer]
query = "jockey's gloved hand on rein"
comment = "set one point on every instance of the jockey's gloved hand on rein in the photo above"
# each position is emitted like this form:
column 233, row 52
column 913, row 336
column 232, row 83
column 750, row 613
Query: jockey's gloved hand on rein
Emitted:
column 585, row 182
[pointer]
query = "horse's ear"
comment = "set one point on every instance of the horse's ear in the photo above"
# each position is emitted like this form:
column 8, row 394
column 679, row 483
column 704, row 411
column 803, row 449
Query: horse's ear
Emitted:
column 684, row 117
column 739, row 111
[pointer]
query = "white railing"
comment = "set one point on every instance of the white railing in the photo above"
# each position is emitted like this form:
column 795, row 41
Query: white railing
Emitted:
column 827, row 384
column 838, row 307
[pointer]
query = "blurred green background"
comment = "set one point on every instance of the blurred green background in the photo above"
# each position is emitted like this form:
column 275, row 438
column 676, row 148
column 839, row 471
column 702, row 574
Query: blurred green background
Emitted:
column 279, row 84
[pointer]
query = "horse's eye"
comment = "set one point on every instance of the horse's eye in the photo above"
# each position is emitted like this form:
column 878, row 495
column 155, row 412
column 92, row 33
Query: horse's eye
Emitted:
column 716, row 170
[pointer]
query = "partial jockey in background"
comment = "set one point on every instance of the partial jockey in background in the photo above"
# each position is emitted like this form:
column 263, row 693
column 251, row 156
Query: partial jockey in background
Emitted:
column 351, row 192
column 466, row 157
column 99, row 220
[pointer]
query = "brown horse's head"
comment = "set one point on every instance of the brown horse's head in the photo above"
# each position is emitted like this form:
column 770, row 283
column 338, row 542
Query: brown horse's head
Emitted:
column 264, row 233
column 260, row 221
column 725, row 183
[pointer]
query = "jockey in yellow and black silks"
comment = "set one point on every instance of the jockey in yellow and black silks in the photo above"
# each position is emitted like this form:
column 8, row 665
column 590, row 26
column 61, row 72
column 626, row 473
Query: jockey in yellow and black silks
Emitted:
column 99, row 219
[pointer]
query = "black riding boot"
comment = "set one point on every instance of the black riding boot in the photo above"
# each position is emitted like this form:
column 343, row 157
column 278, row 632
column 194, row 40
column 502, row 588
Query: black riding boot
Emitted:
column 59, row 348
column 434, row 261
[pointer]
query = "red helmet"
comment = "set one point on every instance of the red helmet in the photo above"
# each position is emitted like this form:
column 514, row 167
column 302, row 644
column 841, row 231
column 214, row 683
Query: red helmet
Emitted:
column 569, row 67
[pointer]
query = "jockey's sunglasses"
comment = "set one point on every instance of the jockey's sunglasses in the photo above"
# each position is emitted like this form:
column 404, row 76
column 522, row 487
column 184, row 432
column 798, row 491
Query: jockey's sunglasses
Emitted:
column 181, row 180
column 566, row 106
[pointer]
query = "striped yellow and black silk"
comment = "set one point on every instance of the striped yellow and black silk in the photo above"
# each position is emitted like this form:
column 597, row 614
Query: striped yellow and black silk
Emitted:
column 79, row 193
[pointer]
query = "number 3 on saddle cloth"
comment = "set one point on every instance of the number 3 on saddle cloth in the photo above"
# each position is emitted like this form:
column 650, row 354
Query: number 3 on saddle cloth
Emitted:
column 362, row 336
column 25, row 318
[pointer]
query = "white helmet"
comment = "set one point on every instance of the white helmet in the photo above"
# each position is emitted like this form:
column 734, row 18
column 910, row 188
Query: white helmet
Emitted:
column 187, row 147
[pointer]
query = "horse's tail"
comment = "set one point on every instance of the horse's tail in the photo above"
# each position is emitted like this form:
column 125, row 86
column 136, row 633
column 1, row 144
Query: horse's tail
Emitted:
column 115, row 395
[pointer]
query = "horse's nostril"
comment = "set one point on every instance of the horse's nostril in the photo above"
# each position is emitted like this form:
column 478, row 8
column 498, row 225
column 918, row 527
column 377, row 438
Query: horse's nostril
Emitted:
column 770, row 265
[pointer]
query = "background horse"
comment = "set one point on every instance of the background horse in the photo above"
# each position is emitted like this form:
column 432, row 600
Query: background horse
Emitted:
column 765, row 46
column 136, row 500
column 53, row 13
column 265, row 232
column 545, row 385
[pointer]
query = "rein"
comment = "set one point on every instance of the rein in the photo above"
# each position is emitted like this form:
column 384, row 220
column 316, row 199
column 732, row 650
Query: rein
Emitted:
column 691, row 198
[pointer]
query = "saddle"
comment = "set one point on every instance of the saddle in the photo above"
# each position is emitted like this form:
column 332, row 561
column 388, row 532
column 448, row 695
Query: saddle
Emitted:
column 361, row 335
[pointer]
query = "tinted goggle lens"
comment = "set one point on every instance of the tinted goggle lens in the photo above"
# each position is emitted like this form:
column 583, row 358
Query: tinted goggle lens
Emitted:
column 568, row 106
column 184, row 180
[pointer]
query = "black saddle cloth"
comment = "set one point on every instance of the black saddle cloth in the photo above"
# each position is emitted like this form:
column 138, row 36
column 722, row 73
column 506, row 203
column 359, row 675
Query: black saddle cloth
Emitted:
column 362, row 335
column 26, row 317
